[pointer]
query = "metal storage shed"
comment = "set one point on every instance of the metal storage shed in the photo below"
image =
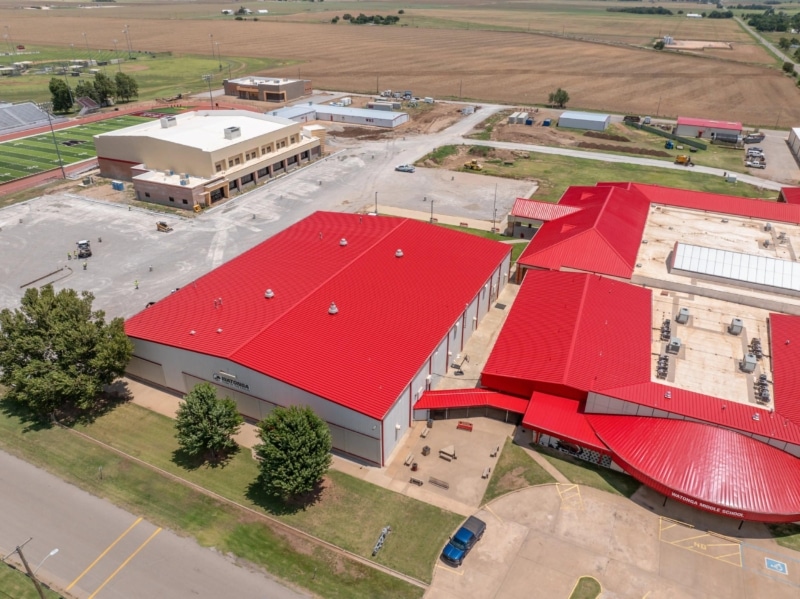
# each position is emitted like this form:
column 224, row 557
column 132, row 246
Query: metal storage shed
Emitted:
column 584, row 120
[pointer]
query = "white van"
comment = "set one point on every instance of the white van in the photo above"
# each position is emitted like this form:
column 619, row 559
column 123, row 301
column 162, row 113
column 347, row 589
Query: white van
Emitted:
column 428, row 100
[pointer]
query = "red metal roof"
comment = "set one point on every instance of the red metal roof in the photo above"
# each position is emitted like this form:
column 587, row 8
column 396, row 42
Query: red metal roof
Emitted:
column 708, row 467
column 683, row 120
column 409, row 303
column 467, row 398
column 543, row 211
column 785, row 352
column 790, row 195
column 562, row 418
column 603, row 236
column 583, row 331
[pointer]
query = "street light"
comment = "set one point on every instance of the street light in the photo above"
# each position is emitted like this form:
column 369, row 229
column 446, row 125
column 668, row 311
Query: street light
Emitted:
column 44, row 559
column 213, row 53
column 116, row 56
column 207, row 79
column 88, row 52
column 127, row 33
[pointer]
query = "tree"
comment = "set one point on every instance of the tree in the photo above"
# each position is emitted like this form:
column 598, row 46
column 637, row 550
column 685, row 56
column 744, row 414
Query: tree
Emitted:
column 60, row 95
column 659, row 45
column 784, row 43
column 104, row 87
column 788, row 67
column 127, row 87
column 335, row 20
column 295, row 451
column 558, row 98
column 56, row 354
column 206, row 424
column 86, row 89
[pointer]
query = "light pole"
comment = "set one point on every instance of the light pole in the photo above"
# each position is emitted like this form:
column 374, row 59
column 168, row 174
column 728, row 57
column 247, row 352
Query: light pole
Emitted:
column 494, row 208
column 116, row 56
column 5, row 36
column 376, row 203
column 213, row 51
column 11, row 48
column 127, row 33
column 88, row 52
column 207, row 79
column 44, row 559
column 658, row 108
column 431, row 211
column 55, row 143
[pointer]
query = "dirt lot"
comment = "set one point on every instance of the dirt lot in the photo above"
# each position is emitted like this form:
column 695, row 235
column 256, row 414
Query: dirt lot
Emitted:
column 511, row 67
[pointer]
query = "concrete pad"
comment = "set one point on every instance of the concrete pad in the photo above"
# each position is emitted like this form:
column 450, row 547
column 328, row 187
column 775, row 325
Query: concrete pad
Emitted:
column 539, row 510
column 713, row 577
column 549, row 551
column 529, row 579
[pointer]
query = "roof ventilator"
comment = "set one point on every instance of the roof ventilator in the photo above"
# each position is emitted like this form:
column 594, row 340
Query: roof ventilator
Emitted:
column 233, row 132
column 168, row 121
column 269, row 294
column 398, row 253
column 219, row 330
column 333, row 309
column 342, row 242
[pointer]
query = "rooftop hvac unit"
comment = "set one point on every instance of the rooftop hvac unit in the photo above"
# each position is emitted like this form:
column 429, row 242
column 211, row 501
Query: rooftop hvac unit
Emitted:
column 683, row 316
column 748, row 363
column 184, row 181
column 168, row 121
column 736, row 326
column 233, row 132
column 768, row 227
column 674, row 346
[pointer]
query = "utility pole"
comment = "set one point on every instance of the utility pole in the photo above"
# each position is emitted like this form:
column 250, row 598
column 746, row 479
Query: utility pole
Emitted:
column 431, row 211
column 30, row 574
column 494, row 208
column 460, row 82
column 376, row 203
column 116, row 56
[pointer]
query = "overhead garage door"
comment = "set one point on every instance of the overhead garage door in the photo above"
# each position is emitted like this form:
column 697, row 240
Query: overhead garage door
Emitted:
column 147, row 370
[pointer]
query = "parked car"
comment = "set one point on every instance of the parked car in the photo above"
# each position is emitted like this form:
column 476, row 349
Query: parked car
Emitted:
column 755, row 164
column 460, row 544
column 755, row 149
column 405, row 168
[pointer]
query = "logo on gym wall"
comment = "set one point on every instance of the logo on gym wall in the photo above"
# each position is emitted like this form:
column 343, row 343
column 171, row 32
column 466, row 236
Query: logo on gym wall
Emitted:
column 228, row 380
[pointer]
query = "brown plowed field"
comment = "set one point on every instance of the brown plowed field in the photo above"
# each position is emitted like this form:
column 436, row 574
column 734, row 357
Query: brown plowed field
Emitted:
column 509, row 67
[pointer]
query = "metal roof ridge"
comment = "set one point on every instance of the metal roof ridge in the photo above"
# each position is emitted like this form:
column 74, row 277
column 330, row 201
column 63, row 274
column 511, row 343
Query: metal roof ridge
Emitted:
column 314, row 289
column 597, row 230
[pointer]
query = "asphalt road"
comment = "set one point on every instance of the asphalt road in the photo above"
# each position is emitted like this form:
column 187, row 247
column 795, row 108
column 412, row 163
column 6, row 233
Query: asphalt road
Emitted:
column 145, row 563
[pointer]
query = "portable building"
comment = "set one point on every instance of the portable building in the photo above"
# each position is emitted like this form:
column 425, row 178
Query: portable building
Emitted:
column 584, row 120
column 521, row 118
column 360, row 116
column 512, row 118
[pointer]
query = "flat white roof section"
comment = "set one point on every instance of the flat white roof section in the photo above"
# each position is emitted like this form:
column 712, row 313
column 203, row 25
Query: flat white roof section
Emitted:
column 263, row 80
column 584, row 116
column 781, row 276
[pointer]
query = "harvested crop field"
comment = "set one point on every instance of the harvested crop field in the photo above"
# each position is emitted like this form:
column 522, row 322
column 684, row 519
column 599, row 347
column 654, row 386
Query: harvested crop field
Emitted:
column 509, row 67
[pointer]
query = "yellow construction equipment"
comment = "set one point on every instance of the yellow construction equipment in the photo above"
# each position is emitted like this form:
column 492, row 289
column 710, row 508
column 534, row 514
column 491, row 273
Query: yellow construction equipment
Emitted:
column 473, row 165
column 163, row 227
column 684, row 160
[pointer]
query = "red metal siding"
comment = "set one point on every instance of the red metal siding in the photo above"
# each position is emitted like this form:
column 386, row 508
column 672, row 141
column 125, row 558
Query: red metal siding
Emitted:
column 392, row 311
column 709, row 467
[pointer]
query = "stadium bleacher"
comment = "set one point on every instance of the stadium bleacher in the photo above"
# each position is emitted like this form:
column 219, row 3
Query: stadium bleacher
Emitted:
column 19, row 117
column 87, row 105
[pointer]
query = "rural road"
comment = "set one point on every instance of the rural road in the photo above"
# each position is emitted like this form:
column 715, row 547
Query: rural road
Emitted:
column 766, row 43
column 145, row 562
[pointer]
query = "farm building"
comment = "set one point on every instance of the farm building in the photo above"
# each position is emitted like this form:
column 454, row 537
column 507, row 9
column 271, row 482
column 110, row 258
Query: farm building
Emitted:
column 198, row 158
column 571, row 119
column 706, row 128
column 794, row 142
column 342, row 114
column 357, row 337
column 267, row 89
column 673, row 362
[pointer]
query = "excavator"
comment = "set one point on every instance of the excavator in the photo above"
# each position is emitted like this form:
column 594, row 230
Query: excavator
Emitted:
column 684, row 159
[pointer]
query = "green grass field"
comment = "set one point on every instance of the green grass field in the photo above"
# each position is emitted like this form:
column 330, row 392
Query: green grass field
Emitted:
column 515, row 469
column 30, row 155
column 581, row 472
column 14, row 584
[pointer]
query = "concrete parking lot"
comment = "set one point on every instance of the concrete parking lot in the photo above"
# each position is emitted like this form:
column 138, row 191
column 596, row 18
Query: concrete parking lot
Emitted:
column 541, row 540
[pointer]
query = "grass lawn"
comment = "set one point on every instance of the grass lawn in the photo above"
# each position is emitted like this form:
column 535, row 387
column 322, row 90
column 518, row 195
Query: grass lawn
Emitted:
column 186, row 511
column 515, row 469
column 586, row 588
column 14, row 584
column 581, row 472
column 556, row 173
column 31, row 155
column 345, row 516
column 158, row 75
column 786, row 535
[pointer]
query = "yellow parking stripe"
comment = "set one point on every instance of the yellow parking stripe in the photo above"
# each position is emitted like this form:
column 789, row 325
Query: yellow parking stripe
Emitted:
column 102, row 555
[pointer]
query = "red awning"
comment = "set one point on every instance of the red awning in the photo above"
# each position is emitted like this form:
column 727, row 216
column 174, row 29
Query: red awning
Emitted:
column 708, row 467
column 468, row 398
column 561, row 417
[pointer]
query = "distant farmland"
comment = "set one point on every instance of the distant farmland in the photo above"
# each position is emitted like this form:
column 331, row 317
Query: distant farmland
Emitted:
column 31, row 155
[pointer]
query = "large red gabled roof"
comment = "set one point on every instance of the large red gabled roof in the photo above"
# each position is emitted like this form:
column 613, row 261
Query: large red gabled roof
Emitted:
column 785, row 352
column 579, row 330
column 603, row 236
column 407, row 304
column 712, row 468
column 562, row 418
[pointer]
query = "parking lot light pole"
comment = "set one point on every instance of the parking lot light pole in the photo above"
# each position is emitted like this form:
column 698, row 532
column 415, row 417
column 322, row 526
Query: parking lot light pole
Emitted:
column 55, row 143
column 207, row 79
column 44, row 559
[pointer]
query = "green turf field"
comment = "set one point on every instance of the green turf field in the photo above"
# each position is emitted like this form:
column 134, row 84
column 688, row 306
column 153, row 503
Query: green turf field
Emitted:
column 31, row 155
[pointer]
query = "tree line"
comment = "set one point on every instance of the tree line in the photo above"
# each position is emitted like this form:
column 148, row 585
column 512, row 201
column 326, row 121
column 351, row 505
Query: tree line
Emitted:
column 103, row 90
column 770, row 20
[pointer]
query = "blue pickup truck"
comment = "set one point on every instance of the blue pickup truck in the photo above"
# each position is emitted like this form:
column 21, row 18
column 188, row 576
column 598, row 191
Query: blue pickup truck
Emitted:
column 460, row 543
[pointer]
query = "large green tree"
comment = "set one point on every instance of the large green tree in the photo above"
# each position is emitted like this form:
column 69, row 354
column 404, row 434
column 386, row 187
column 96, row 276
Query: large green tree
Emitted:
column 60, row 95
column 105, row 88
column 56, row 353
column 295, row 451
column 206, row 424
column 86, row 89
column 558, row 98
column 127, row 87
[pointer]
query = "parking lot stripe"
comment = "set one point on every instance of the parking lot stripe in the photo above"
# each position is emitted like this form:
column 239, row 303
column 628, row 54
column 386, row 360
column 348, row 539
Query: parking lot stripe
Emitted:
column 102, row 555
column 488, row 509
column 125, row 563
column 445, row 568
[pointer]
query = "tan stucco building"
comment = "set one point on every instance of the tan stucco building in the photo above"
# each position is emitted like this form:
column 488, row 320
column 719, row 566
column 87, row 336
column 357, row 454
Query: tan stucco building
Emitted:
column 198, row 158
column 267, row 89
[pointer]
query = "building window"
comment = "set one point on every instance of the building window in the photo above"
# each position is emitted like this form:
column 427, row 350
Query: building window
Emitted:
column 147, row 194
column 219, row 167
column 230, row 163
column 171, row 199
column 370, row 120
column 293, row 139
column 237, row 160
column 184, row 201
